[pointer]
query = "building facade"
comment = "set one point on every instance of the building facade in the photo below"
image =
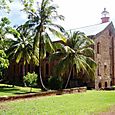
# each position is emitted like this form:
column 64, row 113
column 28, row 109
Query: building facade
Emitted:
column 105, row 57
column 103, row 35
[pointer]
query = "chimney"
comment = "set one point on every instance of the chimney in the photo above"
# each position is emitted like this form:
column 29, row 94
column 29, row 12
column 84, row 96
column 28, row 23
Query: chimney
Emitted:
column 105, row 16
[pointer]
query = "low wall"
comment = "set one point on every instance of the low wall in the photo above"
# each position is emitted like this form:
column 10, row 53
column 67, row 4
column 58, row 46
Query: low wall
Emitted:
column 47, row 93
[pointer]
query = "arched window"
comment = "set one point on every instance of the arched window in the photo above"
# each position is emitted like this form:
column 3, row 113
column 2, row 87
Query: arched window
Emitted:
column 111, row 83
column 47, row 69
column 110, row 33
column 99, row 85
column 105, row 69
column 14, row 69
column 98, row 69
column 98, row 47
column 105, row 84
column 21, row 69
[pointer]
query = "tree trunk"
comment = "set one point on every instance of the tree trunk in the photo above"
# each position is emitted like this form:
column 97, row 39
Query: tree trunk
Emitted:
column 40, row 75
column 68, row 77
column 23, row 72
column 41, row 81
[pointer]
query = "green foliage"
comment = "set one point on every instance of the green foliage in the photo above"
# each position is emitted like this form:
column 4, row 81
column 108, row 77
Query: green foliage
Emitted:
column 4, row 4
column 6, row 33
column 42, row 20
column 55, row 83
column 77, row 53
column 21, row 47
column 31, row 79
column 4, row 62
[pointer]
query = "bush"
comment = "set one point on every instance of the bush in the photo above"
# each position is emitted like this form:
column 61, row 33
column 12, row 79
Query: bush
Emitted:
column 55, row 83
column 31, row 79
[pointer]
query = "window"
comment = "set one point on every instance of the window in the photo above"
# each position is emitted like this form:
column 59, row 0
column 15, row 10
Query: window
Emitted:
column 110, row 32
column 47, row 69
column 98, row 48
column 111, row 83
column 98, row 69
column 105, row 84
column 14, row 69
column 105, row 69
column 21, row 69
column 99, row 85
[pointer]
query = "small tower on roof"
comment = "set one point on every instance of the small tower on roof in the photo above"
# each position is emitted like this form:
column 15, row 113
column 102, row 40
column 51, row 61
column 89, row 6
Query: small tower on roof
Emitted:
column 105, row 16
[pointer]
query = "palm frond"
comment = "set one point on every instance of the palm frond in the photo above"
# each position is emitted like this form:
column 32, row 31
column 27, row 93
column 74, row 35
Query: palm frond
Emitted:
column 58, row 34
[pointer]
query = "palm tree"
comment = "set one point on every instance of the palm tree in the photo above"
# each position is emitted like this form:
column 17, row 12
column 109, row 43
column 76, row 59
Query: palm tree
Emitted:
column 42, row 20
column 76, row 53
column 21, row 46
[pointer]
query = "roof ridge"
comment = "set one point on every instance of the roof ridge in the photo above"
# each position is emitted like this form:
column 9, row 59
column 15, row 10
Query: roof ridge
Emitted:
column 87, row 26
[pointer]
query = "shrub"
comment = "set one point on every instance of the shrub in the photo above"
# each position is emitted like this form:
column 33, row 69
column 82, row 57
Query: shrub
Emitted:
column 55, row 83
column 31, row 79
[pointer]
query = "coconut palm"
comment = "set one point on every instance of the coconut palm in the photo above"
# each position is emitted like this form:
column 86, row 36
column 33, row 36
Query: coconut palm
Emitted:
column 21, row 46
column 77, row 52
column 42, row 21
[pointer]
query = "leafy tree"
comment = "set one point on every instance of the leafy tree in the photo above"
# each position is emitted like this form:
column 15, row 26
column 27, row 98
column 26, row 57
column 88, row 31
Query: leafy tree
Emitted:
column 4, row 4
column 31, row 80
column 77, row 52
column 4, row 62
column 21, row 46
column 4, row 31
column 42, row 20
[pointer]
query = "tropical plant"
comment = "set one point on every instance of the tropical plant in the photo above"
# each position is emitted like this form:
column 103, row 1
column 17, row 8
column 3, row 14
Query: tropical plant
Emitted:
column 42, row 20
column 4, row 62
column 21, row 46
column 55, row 82
column 31, row 80
column 77, row 52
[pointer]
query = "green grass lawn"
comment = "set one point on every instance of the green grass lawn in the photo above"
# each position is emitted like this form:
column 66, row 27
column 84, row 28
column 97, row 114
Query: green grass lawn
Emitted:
column 69, row 104
column 8, row 90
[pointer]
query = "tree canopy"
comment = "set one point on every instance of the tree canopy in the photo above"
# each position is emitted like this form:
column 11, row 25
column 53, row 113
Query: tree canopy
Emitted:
column 76, row 53
column 32, row 40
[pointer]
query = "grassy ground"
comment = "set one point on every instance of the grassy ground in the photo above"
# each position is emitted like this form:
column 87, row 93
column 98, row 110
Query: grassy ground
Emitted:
column 8, row 90
column 69, row 104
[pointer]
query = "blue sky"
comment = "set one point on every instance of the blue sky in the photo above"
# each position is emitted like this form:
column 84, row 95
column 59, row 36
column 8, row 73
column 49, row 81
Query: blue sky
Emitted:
column 78, row 13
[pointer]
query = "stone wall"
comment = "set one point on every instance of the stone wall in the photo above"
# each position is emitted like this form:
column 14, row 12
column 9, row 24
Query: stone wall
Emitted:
column 103, row 57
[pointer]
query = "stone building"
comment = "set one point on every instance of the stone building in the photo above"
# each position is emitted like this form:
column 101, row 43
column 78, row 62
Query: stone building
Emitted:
column 104, row 38
column 103, row 35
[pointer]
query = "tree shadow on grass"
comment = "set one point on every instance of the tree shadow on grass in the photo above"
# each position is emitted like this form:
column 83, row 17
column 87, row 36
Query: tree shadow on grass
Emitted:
column 18, row 93
column 12, row 90
column 5, row 86
column 9, row 90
